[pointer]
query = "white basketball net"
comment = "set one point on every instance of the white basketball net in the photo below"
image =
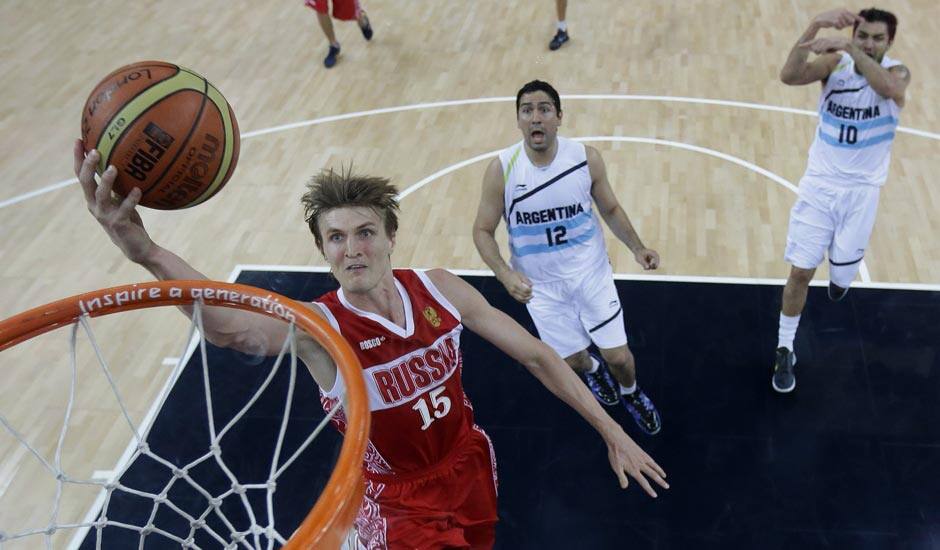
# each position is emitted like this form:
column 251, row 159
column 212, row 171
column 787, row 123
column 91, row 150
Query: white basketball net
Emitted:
column 261, row 532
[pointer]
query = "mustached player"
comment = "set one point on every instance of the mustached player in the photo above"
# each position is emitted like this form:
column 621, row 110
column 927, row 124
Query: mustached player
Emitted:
column 544, row 188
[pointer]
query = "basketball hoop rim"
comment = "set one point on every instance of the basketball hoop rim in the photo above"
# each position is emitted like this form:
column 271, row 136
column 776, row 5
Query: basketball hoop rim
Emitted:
column 327, row 522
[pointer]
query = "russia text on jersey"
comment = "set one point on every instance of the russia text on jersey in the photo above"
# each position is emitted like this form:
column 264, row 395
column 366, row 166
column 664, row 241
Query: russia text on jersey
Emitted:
column 397, row 382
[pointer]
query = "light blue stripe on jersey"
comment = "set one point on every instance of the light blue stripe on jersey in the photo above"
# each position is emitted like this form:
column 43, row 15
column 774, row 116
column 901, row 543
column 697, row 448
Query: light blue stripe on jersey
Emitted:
column 868, row 124
column 539, row 229
column 541, row 248
column 829, row 140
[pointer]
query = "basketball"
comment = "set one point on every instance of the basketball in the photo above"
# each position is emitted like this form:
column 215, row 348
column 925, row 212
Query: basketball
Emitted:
column 166, row 129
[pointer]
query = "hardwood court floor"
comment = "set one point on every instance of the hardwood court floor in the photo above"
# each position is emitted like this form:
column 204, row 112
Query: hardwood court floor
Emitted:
column 706, row 216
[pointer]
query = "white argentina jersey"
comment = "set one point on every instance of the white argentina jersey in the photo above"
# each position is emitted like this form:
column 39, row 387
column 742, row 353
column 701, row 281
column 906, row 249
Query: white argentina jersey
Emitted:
column 855, row 131
column 553, row 231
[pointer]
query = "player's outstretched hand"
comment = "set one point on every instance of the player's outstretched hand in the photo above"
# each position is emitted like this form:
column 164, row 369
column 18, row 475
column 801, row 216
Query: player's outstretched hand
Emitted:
column 518, row 285
column 628, row 459
column 837, row 18
column 118, row 217
column 647, row 257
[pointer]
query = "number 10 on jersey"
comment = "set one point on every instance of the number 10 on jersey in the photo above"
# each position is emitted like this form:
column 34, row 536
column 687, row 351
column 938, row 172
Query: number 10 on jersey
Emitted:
column 848, row 134
column 439, row 407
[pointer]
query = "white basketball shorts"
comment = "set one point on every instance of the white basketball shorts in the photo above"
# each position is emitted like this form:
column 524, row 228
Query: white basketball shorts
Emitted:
column 570, row 314
column 834, row 219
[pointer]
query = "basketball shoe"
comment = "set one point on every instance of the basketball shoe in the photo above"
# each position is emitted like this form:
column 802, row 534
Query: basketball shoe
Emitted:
column 331, row 56
column 602, row 384
column 560, row 38
column 784, row 379
column 836, row 292
column 643, row 411
column 365, row 27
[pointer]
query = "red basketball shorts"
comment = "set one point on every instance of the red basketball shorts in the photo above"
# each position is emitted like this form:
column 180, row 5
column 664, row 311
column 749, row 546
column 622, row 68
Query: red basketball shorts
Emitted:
column 453, row 506
column 344, row 10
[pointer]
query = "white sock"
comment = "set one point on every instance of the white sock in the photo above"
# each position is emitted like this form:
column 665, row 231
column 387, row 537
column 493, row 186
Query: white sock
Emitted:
column 627, row 391
column 594, row 366
column 787, row 331
column 562, row 26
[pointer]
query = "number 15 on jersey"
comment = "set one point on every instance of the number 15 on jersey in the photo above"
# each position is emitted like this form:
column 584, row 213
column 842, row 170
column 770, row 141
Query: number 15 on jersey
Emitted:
column 439, row 406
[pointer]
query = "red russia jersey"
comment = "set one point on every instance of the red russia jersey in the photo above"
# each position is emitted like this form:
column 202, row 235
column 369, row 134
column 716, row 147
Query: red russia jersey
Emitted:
column 420, row 413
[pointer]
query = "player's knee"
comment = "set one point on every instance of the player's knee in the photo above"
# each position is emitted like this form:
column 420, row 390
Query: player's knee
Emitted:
column 801, row 276
column 843, row 275
column 619, row 359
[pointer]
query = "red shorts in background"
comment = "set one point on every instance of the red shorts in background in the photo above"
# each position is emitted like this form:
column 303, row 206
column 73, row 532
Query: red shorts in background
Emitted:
column 344, row 10
column 453, row 506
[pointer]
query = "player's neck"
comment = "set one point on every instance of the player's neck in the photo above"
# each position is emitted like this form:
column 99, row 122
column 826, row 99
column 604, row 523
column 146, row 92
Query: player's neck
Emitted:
column 542, row 158
column 383, row 300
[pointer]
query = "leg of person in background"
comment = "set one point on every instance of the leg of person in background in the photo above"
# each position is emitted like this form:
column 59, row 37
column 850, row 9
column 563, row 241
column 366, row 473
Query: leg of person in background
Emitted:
column 364, row 24
column 561, row 36
column 326, row 23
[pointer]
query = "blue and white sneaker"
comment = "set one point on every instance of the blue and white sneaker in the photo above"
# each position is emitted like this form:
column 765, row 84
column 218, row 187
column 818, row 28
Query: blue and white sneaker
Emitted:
column 602, row 384
column 643, row 411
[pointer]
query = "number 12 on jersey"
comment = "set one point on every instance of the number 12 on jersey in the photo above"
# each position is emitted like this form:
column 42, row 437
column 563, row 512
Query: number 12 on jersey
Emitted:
column 440, row 405
column 556, row 235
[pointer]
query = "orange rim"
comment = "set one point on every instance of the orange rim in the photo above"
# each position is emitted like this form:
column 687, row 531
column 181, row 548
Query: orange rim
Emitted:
column 330, row 518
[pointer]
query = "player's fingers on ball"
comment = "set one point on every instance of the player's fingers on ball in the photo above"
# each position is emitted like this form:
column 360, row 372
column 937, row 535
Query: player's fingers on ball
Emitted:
column 130, row 202
column 107, row 183
column 78, row 156
column 88, row 189
column 86, row 173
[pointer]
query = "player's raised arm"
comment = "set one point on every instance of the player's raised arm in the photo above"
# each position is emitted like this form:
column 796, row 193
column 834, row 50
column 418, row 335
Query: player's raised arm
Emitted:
column 245, row 331
column 890, row 83
column 797, row 71
column 626, row 457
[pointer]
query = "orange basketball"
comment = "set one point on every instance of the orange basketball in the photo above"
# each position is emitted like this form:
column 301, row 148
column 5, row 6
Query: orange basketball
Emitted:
column 166, row 129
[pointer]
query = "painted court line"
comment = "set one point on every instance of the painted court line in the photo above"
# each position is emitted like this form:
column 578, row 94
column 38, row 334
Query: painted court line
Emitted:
column 238, row 269
column 482, row 100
